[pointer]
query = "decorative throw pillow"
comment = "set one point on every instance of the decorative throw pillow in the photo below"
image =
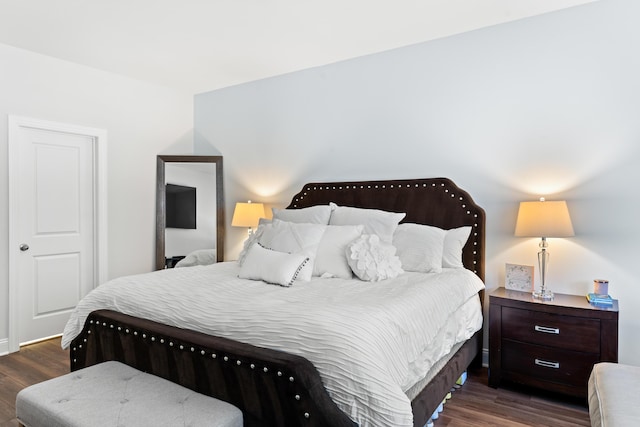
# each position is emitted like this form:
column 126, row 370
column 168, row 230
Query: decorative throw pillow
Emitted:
column 375, row 221
column 419, row 247
column 274, row 267
column 314, row 215
column 372, row 260
column 253, row 238
column 331, row 259
column 454, row 241
column 291, row 237
column 199, row 257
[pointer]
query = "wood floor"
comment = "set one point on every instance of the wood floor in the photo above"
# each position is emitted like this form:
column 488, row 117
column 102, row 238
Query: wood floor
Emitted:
column 478, row 405
column 475, row 404
column 32, row 364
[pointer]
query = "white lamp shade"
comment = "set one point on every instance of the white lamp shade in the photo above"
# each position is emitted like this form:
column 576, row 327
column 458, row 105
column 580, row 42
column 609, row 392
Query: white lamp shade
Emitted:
column 247, row 214
column 544, row 219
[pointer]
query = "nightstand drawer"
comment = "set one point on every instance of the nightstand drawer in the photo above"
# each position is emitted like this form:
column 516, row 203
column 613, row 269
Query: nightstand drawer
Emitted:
column 547, row 364
column 551, row 345
column 555, row 330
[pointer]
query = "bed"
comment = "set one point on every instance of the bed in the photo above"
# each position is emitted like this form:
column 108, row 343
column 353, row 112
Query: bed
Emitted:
column 282, row 388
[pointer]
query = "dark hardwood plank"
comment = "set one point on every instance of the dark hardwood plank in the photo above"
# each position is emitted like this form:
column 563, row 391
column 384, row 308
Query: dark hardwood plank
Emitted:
column 474, row 404
column 32, row 364
column 510, row 406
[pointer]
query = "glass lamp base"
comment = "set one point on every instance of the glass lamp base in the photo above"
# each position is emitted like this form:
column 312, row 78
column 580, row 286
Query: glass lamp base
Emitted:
column 543, row 294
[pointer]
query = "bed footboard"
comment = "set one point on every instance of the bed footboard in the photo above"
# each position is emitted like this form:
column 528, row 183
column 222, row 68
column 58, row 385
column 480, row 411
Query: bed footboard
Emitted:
column 272, row 388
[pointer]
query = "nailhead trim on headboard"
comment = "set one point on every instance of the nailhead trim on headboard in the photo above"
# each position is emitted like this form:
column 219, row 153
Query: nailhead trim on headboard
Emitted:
column 415, row 197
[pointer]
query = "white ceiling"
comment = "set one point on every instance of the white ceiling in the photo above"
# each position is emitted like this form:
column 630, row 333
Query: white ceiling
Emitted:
column 201, row 45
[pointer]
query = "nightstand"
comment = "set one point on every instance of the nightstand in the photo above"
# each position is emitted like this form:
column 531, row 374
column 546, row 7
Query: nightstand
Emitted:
column 551, row 345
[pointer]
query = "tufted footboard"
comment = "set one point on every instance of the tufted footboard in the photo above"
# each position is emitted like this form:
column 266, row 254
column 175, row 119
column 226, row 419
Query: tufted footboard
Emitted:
column 272, row 388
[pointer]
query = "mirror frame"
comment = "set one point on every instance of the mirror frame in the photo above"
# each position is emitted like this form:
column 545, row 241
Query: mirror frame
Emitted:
column 161, row 203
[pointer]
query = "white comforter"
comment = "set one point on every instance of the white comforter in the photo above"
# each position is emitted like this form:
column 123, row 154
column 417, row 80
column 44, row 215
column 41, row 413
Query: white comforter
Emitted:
column 369, row 341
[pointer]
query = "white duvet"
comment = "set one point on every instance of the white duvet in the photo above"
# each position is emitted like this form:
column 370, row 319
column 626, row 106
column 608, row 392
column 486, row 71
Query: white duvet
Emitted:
column 369, row 341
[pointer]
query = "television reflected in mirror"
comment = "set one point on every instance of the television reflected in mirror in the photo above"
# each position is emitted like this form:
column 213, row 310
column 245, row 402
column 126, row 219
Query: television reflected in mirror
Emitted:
column 181, row 206
column 205, row 230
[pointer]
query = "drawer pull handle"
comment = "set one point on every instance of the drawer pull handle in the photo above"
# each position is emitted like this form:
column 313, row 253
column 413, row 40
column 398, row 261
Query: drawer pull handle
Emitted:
column 547, row 364
column 546, row 329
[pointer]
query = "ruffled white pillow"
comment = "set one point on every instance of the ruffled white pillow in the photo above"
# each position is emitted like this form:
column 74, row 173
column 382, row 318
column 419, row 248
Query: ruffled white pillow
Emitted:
column 274, row 267
column 375, row 221
column 419, row 247
column 372, row 260
column 319, row 214
column 296, row 238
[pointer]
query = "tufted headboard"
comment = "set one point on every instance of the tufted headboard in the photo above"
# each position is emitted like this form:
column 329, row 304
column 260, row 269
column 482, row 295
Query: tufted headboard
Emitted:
column 431, row 201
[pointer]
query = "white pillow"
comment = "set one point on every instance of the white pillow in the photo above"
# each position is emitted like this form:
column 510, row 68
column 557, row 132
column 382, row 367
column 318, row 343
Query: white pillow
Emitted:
column 291, row 237
column 314, row 215
column 454, row 241
column 372, row 260
column 253, row 238
column 419, row 247
column 274, row 267
column 375, row 221
column 331, row 258
column 199, row 257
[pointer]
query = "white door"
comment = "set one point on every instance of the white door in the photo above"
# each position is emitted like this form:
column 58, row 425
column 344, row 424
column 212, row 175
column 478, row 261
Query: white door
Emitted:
column 54, row 239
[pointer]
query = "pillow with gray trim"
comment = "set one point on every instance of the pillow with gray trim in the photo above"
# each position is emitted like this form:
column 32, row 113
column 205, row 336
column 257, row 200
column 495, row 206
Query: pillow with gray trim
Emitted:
column 292, row 237
column 278, row 268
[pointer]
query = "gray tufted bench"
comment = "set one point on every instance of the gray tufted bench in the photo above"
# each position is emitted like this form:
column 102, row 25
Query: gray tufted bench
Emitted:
column 114, row 394
column 613, row 395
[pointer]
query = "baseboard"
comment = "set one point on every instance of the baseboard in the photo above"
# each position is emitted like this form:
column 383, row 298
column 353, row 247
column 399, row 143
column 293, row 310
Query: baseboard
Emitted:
column 485, row 357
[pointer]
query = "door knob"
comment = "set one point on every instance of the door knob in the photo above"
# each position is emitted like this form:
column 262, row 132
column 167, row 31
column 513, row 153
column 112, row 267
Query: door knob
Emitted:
column 24, row 247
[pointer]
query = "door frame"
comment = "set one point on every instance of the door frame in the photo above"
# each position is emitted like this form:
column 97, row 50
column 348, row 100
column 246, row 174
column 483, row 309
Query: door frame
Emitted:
column 99, row 140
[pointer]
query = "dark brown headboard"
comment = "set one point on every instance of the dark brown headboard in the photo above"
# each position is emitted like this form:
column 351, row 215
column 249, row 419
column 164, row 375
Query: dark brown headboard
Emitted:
column 431, row 201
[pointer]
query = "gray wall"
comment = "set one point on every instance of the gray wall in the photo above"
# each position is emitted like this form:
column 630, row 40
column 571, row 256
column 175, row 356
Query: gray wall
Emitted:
column 548, row 106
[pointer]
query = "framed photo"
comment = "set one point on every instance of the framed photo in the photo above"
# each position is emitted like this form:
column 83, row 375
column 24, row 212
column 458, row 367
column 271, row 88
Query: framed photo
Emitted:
column 518, row 277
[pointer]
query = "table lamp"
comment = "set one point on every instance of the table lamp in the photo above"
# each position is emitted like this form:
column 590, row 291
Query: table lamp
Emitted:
column 543, row 219
column 247, row 215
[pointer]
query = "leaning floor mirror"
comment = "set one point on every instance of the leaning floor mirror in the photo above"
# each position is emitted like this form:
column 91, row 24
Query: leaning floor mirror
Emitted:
column 189, row 211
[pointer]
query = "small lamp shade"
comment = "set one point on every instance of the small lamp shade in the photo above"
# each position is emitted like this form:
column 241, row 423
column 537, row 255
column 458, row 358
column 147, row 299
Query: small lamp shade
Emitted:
column 544, row 219
column 247, row 214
